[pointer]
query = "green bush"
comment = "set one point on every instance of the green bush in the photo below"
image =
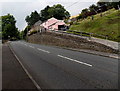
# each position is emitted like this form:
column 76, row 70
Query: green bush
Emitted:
column 33, row 32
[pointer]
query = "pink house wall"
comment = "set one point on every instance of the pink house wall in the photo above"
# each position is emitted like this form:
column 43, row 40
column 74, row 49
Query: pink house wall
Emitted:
column 58, row 23
column 52, row 23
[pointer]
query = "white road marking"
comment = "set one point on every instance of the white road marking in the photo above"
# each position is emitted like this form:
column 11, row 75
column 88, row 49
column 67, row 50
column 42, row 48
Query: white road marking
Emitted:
column 75, row 60
column 31, row 46
column 25, row 44
column 43, row 50
column 26, row 71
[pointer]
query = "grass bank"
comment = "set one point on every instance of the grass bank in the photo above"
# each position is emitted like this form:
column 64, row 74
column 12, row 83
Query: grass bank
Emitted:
column 107, row 25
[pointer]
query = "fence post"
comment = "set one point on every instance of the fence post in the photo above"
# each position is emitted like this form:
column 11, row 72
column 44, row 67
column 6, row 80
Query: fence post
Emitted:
column 90, row 36
column 106, row 37
column 81, row 33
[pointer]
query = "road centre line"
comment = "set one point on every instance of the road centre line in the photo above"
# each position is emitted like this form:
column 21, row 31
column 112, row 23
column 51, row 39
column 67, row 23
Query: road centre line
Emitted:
column 25, row 44
column 43, row 50
column 75, row 60
column 31, row 46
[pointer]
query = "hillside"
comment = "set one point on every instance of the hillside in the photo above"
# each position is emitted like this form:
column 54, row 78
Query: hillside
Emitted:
column 108, row 25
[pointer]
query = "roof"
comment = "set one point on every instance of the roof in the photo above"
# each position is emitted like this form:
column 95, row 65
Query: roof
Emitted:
column 60, row 22
column 52, row 21
column 38, row 23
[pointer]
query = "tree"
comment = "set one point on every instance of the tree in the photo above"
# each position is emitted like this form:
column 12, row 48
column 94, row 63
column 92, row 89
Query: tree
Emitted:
column 9, row 29
column 85, row 13
column 116, row 4
column 0, row 28
column 22, row 34
column 108, row 4
column 79, row 17
column 102, row 5
column 57, row 11
column 33, row 18
column 93, row 9
column 60, row 12
column 26, row 30
column 44, row 14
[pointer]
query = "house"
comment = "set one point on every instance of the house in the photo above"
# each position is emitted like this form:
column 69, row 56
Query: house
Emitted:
column 50, row 24
column 54, row 24
column 38, row 23
column 36, row 27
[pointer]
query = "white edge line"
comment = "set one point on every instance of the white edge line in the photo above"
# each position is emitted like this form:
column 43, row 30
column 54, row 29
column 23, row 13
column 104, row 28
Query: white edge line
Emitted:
column 43, row 50
column 75, row 60
column 34, row 82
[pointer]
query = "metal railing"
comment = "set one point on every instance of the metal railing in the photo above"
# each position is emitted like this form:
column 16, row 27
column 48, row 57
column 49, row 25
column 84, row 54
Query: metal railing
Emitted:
column 81, row 33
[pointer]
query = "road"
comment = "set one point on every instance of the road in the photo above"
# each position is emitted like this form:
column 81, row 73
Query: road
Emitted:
column 0, row 65
column 13, row 76
column 57, row 68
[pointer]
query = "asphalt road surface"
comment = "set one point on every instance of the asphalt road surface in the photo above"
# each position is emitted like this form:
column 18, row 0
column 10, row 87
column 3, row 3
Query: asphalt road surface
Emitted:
column 14, row 77
column 0, row 65
column 57, row 68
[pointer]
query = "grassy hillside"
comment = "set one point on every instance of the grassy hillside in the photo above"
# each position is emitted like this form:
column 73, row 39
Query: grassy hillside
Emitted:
column 108, row 25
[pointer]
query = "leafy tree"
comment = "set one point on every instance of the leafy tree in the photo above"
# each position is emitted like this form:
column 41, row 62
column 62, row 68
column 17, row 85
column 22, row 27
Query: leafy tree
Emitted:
column 33, row 18
column 0, row 27
column 79, row 17
column 25, row 31
column 58, row 11
column 93, row 9
column 102, row 5
column 45, row 13
column 85, row 13
column 107, row 5
column 9, row 29
column 21, row 34
column 116, row 4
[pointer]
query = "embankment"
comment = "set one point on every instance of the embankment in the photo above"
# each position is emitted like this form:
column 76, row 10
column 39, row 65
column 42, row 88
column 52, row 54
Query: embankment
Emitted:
column 64, row 40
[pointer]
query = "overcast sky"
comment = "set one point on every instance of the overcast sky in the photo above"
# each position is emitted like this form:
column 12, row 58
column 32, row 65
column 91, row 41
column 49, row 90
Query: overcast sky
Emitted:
column 21, row 8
